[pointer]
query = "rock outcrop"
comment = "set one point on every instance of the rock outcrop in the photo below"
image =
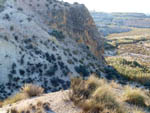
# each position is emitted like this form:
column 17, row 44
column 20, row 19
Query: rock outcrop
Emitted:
column 44, row 41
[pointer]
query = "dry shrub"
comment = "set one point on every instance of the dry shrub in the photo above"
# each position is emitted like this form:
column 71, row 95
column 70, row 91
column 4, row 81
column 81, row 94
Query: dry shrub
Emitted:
column 1, row 104
column 27, row 91
column 135, row 96
column 114, row 84
column 94, row 95
column 15, row 98
column 130, row 69
column 78, row 91
column 13, row 111
column 32, row 90
column 102, row 101
column 82, row 89
column 138, row 110
column 93, row 82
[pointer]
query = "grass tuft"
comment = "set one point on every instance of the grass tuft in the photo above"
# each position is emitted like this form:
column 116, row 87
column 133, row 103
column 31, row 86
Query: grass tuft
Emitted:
column 32, row 90
column 94, row 96
column 135, row 96
column 27, row 91
column 13, row 99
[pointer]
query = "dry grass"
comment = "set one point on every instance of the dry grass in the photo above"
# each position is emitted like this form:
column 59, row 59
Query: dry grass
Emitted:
column 12, row 111
column 32, row 90
column 132, row 70
column 133, row 32
column 78, row 92
column 115, row 85
column 13, row 99
column 27, row 91
column 102, row 100
column 137, row 110
column 130, row 42
column 1, row 104
column 139, row 49
column 94, row 96
column 136, row 96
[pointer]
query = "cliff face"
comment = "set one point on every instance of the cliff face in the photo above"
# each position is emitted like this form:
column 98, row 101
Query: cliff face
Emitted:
column 73, row 19
column 81, row 26
column 38, row 44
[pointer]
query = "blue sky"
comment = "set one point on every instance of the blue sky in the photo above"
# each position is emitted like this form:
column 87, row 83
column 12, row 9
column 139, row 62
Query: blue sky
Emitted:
column 116, row 5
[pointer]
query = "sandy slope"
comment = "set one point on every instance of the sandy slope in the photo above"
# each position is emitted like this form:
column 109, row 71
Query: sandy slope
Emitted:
column 47, row 103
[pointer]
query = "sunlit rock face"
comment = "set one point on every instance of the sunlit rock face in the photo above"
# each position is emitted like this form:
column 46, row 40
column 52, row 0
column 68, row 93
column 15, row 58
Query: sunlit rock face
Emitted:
column 44, row 42
column 73, row 19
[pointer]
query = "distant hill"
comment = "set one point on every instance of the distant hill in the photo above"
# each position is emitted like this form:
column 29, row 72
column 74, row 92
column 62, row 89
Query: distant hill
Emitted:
column 109, row 23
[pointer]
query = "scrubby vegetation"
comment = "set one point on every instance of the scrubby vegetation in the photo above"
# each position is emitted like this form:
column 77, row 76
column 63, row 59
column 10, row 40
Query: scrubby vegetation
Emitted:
column 136, row 96
column 130, row 54
column 2, row 2
column 133, row 42
column 130, row 69
column 27, row 91
column 58, row 34
column 96, row 95
column 82, row 70
column 133, row 37
column 15, row 98
column 32, row 90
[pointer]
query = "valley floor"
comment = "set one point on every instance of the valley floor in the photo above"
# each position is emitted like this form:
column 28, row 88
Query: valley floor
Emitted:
column 129, row 54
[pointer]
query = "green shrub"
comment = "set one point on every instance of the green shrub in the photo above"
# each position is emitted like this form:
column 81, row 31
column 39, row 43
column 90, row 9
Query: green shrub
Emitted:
column 132, row 70
column 58, row 34
column 83, row 70
column 2, row 2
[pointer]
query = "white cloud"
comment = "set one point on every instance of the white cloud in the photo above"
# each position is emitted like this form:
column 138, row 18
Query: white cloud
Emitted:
column 116, row 5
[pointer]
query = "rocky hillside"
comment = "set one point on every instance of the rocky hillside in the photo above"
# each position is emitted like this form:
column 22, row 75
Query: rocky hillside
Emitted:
column 44, row 41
